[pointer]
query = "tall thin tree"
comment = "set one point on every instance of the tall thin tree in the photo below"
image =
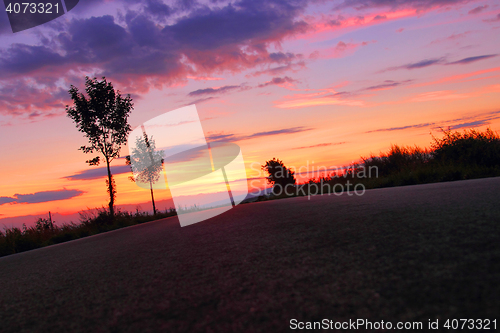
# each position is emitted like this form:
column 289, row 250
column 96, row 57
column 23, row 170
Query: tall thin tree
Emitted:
column 103, row 118
column 146, row 163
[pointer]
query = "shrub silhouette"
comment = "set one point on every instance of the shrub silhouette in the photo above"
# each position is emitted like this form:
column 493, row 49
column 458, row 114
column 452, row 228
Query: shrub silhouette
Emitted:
column 44, row 224
column 468, row 148
column 279, row 175
column 398, row 159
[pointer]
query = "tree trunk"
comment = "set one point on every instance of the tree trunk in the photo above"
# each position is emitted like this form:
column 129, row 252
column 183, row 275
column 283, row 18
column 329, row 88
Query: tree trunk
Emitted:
column 152, row 198
column 111, row 192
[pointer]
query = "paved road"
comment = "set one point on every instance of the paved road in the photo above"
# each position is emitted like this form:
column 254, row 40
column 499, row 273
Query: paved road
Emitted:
column 409, row 253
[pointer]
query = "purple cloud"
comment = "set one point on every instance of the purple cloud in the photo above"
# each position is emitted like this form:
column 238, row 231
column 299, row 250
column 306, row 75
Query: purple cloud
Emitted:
column 96, row 173
column 234, row 137
column 469, row 124
column 393, row 4
column 210, row 91
column 39, row 197
column 277, row 81
column 422, row 63
column 4, row 200
column 477, row 10
column 137, row 51
column 440, row 61
column 387, row 85
column 495, row 19
column 321, row 145
column 282, row 57
column 472, row 59
column 200, row 100
column 402, row 128
column 157, row 8
column 21, row 98
column 22, row 58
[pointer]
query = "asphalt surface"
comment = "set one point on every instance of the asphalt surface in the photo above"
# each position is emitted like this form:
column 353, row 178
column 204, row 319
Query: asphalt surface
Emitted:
column 399, row 254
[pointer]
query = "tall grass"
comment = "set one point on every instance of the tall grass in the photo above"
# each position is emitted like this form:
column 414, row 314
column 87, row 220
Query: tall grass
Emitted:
column 46, row 232
column 454, row 156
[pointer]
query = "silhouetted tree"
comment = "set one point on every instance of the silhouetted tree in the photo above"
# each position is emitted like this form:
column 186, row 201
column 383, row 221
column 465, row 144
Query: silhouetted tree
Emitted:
column 279, row 174
column 103, row 118
column 146, row 163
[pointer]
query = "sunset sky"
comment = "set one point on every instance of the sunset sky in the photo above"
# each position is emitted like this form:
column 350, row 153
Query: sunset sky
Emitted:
column 310, row 82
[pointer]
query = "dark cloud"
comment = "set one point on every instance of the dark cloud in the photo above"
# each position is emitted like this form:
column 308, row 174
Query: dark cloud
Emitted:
column 394, row 4
column 282, row 57
column 423, row 63
column 472, row 121
column 321, row 145
column 186, row 4
column 96, row 173
column 452, row 37
column 157, row 8
column 440, row 61
column 4, row 200
column 472, row 59
column 387, row 85
column 380, row 17
column 402, row 128
column 211, row 91
column 477, row 10
column 200, row 100
column 221, row 137
column 22, row 98
column 136, row 52
column 234, row 137
column 293, row 67
column 277, row 81
column 457, row 123
column 40, row 197
column 495, row 19
column 22, row 58
column 96, row 40
column 469, row 124
column 420, row 64
column 277, row 132
column 337, row 22
column 209, row 29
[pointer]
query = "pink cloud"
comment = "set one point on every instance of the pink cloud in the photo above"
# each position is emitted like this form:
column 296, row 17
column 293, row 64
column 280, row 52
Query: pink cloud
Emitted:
column 340, row 50
column 438, row 95
column 325, row 97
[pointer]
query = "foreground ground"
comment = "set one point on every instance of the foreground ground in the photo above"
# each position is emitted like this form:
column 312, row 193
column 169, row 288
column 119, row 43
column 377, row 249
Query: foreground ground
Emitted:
column 398, row 254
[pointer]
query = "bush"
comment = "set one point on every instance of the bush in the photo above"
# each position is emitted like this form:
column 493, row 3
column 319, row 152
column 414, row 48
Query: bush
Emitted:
column 398, row 159
column 279, row 174
column 468, row 148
